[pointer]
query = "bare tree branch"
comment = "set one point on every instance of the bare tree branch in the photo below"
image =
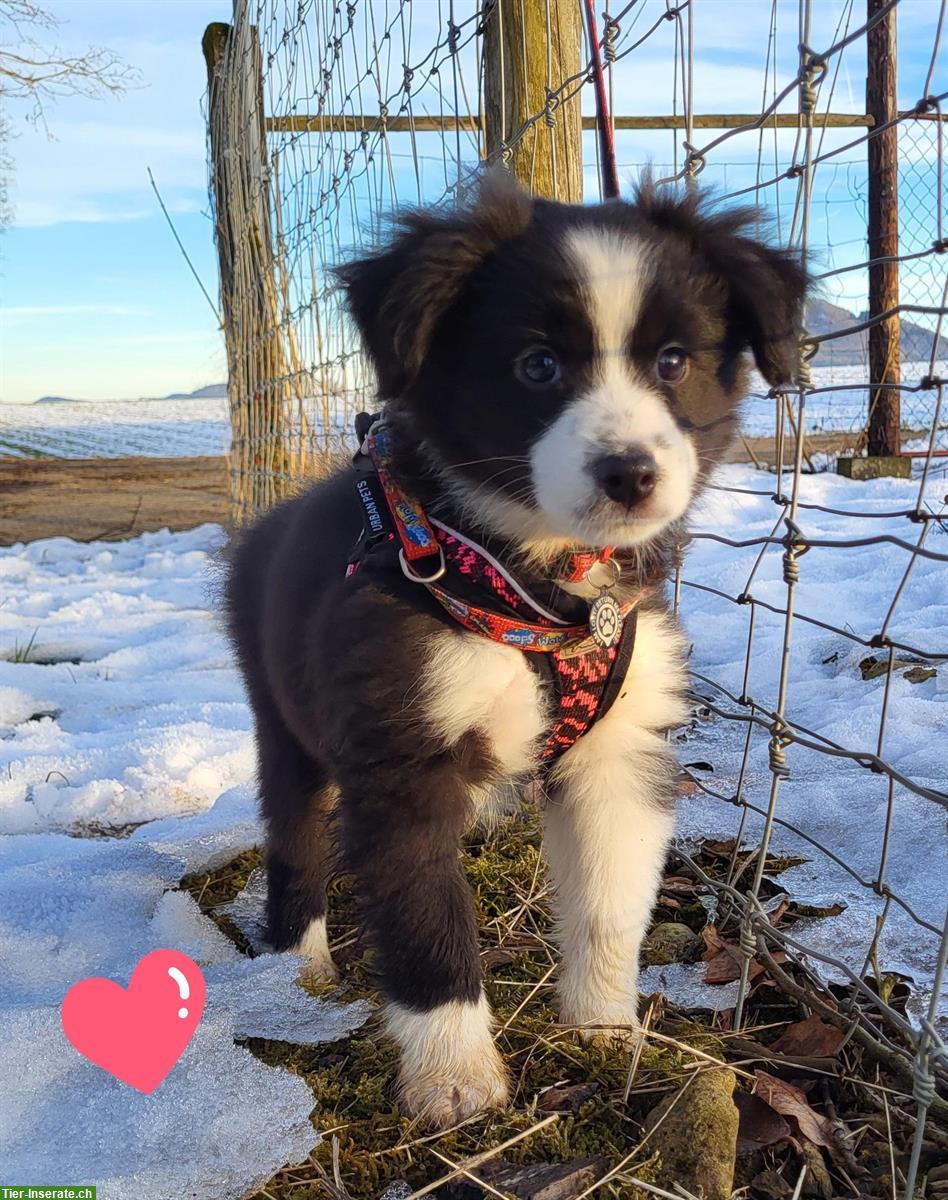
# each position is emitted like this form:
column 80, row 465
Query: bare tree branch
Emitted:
column 38, row 73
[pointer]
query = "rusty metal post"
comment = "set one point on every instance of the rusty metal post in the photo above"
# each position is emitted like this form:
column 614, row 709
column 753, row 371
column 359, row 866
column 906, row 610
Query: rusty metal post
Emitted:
column 883, row 160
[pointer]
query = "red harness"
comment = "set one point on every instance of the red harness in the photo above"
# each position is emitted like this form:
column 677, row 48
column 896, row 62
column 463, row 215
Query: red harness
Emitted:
column 584, row 670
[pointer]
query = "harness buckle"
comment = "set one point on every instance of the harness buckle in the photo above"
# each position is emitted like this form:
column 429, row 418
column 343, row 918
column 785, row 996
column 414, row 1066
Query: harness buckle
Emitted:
column 410, row 574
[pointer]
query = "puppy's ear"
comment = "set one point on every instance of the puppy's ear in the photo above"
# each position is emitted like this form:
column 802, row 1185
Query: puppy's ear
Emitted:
column 766, row 286
column 398, row 295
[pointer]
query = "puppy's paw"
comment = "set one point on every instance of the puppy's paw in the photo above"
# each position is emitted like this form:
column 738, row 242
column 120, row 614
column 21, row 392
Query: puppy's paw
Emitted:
column 313, row 946
column 450, row 1067
column 319, row 971
column 439, row 1101
column 604, row 1025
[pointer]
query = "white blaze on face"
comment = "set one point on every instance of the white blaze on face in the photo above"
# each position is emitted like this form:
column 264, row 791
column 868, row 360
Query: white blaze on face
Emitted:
column 621, row 411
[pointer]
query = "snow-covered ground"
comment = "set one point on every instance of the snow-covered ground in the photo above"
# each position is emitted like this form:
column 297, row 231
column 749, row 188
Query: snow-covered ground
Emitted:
column 843, row 406
column 115, row 428
column 118, row 705
column 111, row 429
column 121, row 713
column 831, row 799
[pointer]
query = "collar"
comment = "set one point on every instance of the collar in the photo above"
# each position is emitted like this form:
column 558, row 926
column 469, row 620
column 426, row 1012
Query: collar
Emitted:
column 470, row 582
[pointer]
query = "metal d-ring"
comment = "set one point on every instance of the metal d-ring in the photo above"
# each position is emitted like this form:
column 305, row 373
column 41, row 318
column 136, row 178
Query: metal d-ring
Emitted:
column 611, row 564
column 410, row 574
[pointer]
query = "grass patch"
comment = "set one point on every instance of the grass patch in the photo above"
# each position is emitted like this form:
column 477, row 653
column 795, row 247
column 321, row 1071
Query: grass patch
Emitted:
column 367, row 1144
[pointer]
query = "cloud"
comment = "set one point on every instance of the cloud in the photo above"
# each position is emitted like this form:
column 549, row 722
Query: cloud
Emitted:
column 33, row 311
column 32, row 214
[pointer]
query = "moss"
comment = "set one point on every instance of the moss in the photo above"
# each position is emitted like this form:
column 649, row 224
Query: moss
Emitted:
column 353, row 1081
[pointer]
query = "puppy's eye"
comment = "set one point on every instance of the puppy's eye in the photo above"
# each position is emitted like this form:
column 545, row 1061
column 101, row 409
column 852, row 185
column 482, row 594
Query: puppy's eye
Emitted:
column 538, row 367
column 671, row 366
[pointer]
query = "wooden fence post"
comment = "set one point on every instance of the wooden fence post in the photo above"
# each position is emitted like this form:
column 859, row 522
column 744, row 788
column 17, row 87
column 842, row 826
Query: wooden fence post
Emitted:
column 883, row 221
column 530, row 48
column 258, row 374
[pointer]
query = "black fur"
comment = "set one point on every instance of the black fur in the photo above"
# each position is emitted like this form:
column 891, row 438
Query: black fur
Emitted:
column 332, row 664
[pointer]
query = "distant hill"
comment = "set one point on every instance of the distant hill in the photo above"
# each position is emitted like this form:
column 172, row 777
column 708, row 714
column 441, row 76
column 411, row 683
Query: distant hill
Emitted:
column 822, row 317
column 853, row 348
column 213, row 391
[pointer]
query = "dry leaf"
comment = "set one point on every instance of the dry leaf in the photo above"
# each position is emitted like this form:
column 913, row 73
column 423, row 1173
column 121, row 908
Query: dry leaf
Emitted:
column 497, row 957
column 789, row 1101
column 724, row 959
column 760, row 1124
column 567, row 1098
column 810, row 1037
column 771, row 1185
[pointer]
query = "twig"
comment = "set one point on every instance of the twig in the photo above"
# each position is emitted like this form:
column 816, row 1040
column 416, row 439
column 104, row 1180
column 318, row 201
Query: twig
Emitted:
column 181, row 247
column 483, row 1157
column 892, row 1062
column 526, row 1000
column 657, row 1191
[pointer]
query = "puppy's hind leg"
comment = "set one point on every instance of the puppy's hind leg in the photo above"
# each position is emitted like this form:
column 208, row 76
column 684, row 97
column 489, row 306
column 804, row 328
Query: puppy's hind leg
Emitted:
column 298, row 803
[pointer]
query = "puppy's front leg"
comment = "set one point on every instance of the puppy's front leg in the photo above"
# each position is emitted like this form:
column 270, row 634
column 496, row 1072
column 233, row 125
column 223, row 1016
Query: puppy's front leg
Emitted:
column 403, row 836
column 412, row 754
column 607, row 827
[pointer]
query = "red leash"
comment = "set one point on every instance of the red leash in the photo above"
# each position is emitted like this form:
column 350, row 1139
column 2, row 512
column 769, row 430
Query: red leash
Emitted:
column 607, row 141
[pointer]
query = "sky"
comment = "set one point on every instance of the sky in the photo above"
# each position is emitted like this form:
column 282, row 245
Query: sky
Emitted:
column 96, row 300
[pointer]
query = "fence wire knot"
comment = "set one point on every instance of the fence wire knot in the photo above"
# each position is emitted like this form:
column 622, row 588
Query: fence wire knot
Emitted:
column 796, row 547
column 807, row 352
column 923, row 1081
column 747, row 939
column 550, row 107
column 695, row 163
column 813, row 71
column 779, row 741
column 610, row 31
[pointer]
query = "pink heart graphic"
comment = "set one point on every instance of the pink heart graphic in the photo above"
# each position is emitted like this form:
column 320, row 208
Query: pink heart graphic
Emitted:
column 139, row 1033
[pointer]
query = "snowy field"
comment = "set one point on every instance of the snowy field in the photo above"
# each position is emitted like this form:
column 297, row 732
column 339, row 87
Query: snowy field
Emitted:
column 126, row 762
column 843, row 406
column 115, row 428
column 112, row 429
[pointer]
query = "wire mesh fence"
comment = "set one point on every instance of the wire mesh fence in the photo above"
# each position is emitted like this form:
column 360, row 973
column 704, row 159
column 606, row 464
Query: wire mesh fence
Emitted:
column 820, row 703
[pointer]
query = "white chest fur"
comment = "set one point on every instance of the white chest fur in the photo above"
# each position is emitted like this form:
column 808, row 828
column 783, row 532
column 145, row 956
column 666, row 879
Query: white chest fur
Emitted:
column 471, row 683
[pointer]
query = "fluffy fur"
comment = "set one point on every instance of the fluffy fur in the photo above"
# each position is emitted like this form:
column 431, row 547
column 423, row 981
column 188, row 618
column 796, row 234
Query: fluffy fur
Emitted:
column 555, row 376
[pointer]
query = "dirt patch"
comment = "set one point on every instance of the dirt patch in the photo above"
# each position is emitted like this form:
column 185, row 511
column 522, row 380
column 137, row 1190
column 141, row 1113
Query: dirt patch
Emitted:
column 93, row 499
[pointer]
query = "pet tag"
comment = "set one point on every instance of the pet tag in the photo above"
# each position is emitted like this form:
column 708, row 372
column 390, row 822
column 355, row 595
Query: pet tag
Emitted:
column 605, row 621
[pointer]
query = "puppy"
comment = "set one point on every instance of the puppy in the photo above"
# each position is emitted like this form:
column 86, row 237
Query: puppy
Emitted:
column 557, row 383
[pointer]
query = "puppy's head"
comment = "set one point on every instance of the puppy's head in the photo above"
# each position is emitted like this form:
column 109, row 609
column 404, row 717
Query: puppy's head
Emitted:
column 573, row 372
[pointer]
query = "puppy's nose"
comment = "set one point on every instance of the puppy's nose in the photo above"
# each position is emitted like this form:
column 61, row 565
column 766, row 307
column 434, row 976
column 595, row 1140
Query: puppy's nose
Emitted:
column 626, row 478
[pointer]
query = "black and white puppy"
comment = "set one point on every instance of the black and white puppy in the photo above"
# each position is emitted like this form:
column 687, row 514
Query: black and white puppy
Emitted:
column 556, row 377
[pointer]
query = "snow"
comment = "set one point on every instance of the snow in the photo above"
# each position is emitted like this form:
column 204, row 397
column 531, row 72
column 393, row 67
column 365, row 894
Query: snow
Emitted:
column 126, row 762
column 832, row 800
column 145, row 725
column 114, row 428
